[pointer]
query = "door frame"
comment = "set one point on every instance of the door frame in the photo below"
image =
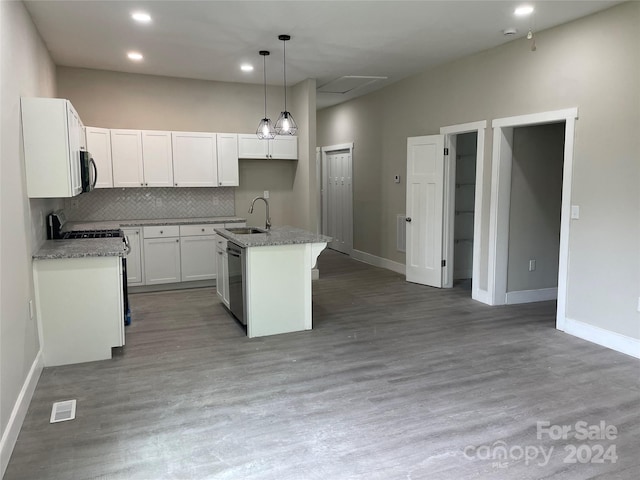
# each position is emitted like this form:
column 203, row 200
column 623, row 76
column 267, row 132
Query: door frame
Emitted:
column 323, row 191
column 450, row 132
column 501, row 200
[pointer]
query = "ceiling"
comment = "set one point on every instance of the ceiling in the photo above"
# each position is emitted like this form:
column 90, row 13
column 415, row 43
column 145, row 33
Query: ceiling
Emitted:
column 330, row 39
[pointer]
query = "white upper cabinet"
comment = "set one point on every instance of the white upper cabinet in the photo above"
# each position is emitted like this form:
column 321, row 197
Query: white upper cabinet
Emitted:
column 283, row 147
column 250, row 146
column 53, row 136
column 157, row 158
column 99, row 146
column 228, row 175
column 194, row 159
column 126, row 154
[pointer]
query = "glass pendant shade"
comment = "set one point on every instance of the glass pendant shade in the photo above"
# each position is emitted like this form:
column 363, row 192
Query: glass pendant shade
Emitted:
column 286, row 125
column 265, row 130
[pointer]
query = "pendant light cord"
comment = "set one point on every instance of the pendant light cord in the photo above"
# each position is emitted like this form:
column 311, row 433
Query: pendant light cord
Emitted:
column 264, row 73
column 285, row 73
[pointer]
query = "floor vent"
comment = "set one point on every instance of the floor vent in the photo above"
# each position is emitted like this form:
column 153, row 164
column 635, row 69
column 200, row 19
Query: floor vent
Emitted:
column 401, row 233
column 63, row 411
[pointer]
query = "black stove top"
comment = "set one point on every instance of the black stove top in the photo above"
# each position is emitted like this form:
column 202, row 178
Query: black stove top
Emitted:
column 91, row 234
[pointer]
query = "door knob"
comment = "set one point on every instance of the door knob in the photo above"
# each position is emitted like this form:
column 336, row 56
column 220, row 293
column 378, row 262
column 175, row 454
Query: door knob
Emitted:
column 408, row 219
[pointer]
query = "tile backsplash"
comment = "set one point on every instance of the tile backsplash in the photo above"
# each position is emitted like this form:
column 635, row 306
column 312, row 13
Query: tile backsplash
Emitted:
column 150, row 203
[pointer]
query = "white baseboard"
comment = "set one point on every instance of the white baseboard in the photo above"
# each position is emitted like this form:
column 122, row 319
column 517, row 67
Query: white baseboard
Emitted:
column 378, row 261
column 606, row 338
column 19, row 412
column 528, row 296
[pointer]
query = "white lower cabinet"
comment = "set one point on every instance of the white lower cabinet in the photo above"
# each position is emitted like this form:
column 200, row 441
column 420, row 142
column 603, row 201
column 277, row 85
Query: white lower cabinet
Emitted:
column 198, row 257
column 134, row 258
column 222, row 282
column 172, row 254
column 161, row 259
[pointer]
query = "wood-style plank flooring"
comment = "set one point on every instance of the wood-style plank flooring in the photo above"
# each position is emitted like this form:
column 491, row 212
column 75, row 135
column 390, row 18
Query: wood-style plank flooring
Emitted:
column 396, row 381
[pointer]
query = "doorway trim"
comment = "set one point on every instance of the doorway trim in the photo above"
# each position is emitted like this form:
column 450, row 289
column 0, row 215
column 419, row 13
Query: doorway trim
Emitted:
column 449, row 199
column 502, row 159
column 347, row 147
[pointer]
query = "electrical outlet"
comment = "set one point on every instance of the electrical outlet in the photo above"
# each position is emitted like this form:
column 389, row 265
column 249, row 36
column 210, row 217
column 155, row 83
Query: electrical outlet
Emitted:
column 216, row 201
column 266, row 194
column 75, row 203
column 158, row 202
column 532, row 265
column 31, row 309
column 639, row 304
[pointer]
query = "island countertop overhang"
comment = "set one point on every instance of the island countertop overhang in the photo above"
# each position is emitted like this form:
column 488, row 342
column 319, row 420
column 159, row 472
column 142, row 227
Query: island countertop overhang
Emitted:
column 283, row 235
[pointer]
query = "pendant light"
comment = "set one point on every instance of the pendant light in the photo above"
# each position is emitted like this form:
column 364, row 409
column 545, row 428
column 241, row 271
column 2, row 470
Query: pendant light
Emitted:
column 265, row 129
column 285, row 125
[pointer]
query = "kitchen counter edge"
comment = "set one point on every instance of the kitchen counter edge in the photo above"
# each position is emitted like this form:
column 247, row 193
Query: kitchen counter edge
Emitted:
column 285, row 235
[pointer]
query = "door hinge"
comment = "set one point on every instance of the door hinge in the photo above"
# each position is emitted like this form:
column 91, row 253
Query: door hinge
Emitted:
column 446, row 151
column 444, row 263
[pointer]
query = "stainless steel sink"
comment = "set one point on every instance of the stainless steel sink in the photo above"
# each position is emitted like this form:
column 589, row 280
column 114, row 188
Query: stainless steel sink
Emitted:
column 245, row 230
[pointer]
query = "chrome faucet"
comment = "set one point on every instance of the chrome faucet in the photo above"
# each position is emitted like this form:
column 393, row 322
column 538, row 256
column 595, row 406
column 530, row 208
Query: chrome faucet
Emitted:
column 266, row 202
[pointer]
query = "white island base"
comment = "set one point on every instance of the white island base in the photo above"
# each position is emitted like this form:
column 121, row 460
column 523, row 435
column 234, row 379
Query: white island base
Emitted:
column 278, row 288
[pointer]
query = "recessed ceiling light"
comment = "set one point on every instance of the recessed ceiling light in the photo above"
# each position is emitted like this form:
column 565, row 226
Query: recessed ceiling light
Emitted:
column 135, row 56
column 523, row 10
column 246, row 67
column 142, row 17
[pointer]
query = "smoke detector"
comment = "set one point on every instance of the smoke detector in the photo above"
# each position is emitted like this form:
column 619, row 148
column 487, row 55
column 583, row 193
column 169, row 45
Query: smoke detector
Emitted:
column 508, row 32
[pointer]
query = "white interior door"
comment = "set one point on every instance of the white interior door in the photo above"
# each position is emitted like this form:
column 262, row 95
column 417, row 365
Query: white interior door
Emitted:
column 425, row 186
column 337, row 201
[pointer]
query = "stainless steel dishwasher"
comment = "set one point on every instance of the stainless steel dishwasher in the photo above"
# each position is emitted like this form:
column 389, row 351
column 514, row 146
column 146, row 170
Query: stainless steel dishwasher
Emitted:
column 237, row 286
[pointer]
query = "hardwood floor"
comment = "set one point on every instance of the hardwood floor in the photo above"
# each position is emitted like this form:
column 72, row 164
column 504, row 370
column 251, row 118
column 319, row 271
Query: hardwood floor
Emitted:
column 396, row 381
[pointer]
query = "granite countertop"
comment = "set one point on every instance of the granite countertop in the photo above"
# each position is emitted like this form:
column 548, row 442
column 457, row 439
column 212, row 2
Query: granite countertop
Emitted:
column 81, row 248
column 285, row 235
column 114, row 224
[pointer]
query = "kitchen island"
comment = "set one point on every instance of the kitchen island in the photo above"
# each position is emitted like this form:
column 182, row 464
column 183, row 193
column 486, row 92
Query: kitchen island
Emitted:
column 276, row 274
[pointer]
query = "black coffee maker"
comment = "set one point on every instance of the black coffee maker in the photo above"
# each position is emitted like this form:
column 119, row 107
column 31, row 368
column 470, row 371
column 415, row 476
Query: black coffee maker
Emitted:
column 55, row 221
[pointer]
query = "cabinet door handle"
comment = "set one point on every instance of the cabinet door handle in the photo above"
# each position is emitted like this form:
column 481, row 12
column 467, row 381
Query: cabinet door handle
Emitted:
column 203, row 229
column 142, row 184
column 408, row 219
column 161, row 232
column 177, row 239
column 176, row 184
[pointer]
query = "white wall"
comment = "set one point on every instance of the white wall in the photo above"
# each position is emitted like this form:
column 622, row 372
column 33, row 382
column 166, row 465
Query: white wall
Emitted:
column 26, row 70
column 591, row 63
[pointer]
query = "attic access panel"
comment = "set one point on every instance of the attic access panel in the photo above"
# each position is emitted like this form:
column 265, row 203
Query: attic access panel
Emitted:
column 348, row 83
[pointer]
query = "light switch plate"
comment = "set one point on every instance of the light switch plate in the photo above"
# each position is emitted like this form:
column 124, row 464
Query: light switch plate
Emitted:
column 266, row 194
column 532, row 265
column 575, row 212
column 397, row 179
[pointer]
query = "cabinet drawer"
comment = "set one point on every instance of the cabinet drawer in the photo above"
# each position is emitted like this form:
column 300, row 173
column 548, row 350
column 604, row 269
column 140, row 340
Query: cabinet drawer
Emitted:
column 194, row 230
column 221, row 243
column 161, row 231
